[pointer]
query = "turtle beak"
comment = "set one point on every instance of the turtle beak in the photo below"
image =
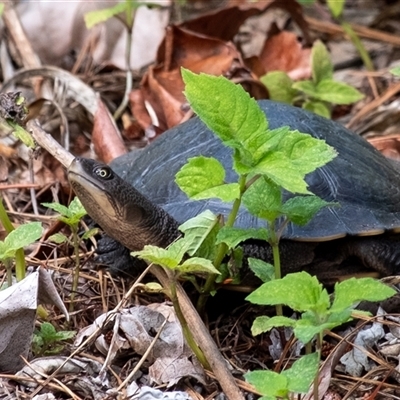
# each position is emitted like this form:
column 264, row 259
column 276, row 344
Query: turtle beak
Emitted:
column 89, row 188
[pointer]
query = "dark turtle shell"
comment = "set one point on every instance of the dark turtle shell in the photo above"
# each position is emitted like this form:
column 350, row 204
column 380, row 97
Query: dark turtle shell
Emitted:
column 360, row 179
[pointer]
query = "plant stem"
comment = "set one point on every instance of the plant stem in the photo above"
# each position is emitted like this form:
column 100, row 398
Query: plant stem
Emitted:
column 75, row 240
column 185, row 329
column 222, row 248
column 130, row 18
column 359, row 46
column 19, row 254
column 274, row 242
column 316, row 379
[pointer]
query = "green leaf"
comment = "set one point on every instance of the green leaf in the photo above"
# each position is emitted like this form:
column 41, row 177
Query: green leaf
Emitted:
column 261, row 269
column 301, row 209
column 200, row 234
column 20, row 133
column 321, row 64
column 317, row 107
column 263, row 199
column 232, row 236
column 22, row 236
column 277, row 167
column 302, row 373
column 336, row 7
column 268, row 383
column 279, row 86
column 195, row 265
column 306, row 87
column 58, row 238
column 337, row 92
column 264, row 324
column 351, row 291
column 395, row 71
column 229, row 112
column 300, row 291
column 76, row 208
column 93, row 18
column 90, row 233
column 204, row 178
column 305, row 152
column 62, row 210
column 167, row 258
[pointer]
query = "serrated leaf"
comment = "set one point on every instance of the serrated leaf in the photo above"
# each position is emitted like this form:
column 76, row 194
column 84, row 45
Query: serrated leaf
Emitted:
column 302, row 373
column 76, row 208
column 232, row 236
column 300, row 291
column 261, row 269
column 281, row 170
column 268, row 383
column 263, row 199
column 204, row 178
column 305, row 152
column 317, row 107
column 23, row 236
column 321, row 64
column 306, row 86
column 62, row 210
column 301, row 209
column 197, row 265
column 93, row 18
column 167, row 258
column 336, row 7
column 337, row 92
column 58, row 238
column 351, row 291
column 279, row 86
column 200, row 233
column 264, row 324
column 230, row 112
column 306, row 331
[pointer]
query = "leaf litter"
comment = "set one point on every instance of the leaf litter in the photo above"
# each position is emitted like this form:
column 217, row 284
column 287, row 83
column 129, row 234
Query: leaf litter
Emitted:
column 213, row 43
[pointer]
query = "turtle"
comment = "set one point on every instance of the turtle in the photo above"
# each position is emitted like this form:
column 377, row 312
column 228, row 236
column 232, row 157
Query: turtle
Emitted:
column 137, row 202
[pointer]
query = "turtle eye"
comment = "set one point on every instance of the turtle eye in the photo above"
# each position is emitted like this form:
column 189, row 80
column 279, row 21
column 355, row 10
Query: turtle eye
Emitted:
column 103, row 172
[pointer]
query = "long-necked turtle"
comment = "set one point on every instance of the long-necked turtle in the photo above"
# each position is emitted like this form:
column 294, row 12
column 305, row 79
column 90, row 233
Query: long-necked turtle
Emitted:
column 139, row 203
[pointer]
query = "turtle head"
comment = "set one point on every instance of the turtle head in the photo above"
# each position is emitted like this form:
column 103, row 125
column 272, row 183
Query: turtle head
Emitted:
column 123, row 213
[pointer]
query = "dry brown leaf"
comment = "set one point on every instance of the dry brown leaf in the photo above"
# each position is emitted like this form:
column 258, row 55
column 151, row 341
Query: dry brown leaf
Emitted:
column 389, row 145
column 162, row 86
column 225, row 23
column 106, row 138
column 283, row 52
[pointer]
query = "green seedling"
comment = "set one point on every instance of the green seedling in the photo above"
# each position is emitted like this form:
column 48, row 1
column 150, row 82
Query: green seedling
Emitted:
column 125, row 12
column 336, row 9
column 296, row 379
column 17, row 239
column 266, row 161
column 71, row 216
column 303, row 293
column 316, row 95
column 47, row 341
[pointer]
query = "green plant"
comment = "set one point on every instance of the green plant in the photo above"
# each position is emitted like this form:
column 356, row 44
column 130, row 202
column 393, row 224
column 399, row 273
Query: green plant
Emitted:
column 319, row 93
column 48, row 341
column 128, row 9
column 336, row 9
column 266, row 161
column 303, row 293
column 17, row 239
column 71, row 216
